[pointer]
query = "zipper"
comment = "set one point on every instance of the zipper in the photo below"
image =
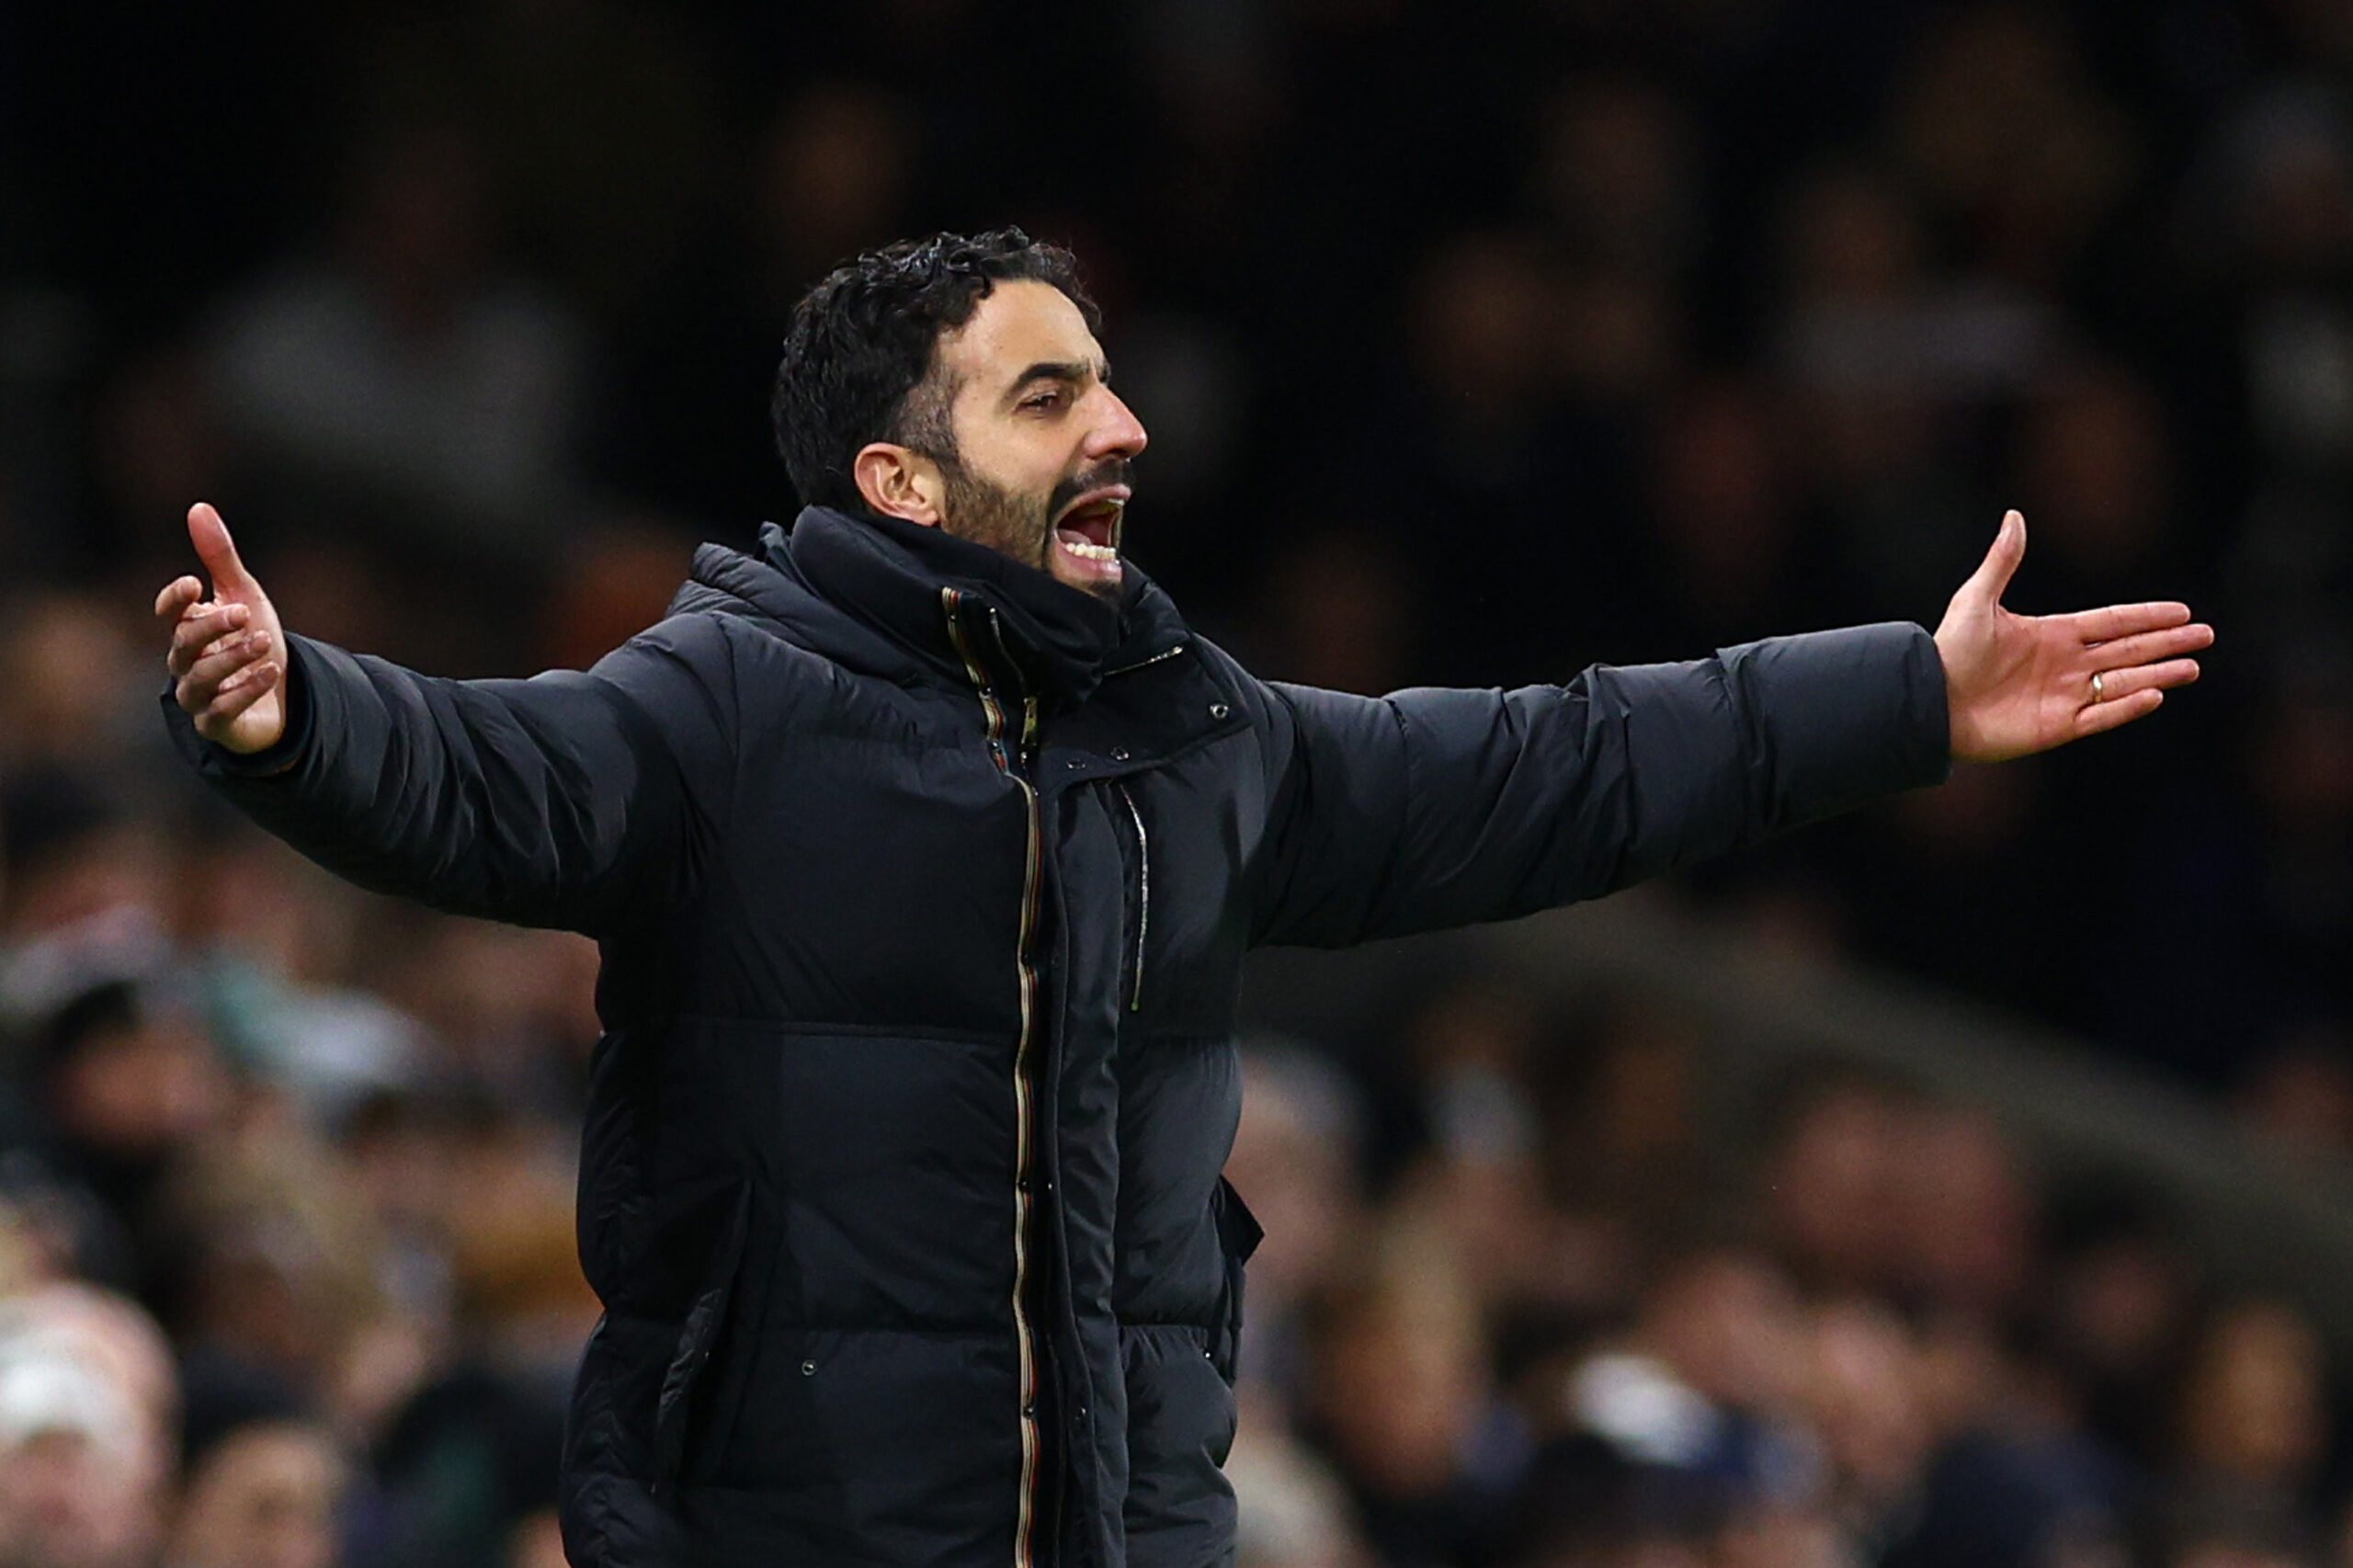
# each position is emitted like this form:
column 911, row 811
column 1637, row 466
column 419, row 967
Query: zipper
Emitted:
column 1143, row 893
column 1144, row 842
column 1140, row 664
column 1015, row 764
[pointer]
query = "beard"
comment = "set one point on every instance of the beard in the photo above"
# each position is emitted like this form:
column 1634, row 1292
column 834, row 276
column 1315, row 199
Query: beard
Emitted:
column 1012, row 522
column 1006, row 520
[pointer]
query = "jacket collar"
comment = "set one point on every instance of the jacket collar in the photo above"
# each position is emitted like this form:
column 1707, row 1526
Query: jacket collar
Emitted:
column 869, row 590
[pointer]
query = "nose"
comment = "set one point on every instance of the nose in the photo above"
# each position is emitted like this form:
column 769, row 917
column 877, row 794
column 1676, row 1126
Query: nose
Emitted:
column 1118, row 433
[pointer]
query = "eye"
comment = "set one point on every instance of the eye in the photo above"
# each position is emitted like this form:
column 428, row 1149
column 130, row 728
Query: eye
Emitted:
column 1043, row 401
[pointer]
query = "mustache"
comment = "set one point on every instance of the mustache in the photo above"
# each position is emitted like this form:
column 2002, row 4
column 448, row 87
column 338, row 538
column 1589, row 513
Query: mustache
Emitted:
column 1114, row 471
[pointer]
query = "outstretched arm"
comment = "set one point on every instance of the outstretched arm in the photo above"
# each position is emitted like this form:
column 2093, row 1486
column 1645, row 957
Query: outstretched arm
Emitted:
column 2016, row 684
column 1427, row 808
column 572, row 799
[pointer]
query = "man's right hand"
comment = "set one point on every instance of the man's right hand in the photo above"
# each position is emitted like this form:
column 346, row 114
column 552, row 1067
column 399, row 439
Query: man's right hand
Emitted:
column 228, row 657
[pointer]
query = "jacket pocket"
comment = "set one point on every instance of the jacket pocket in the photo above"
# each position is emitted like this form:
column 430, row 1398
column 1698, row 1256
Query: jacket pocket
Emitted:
column 683, row 1384
column 1238, row 1234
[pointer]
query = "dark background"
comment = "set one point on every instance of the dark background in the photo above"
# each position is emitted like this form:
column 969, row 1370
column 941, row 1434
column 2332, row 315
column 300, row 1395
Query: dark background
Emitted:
column 1478, row 341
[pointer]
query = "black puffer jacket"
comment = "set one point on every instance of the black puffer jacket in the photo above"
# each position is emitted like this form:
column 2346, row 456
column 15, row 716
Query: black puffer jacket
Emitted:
column 923, row 885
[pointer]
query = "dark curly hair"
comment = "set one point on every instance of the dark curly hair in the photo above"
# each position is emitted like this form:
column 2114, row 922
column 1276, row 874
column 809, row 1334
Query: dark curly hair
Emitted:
column 859, row 354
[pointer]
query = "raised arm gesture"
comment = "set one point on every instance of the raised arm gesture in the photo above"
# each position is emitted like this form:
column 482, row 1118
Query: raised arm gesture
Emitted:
column 228, row 653
column 2016, row 684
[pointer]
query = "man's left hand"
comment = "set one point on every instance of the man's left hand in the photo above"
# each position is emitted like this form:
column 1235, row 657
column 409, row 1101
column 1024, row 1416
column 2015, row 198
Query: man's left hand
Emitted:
column 2016, row 684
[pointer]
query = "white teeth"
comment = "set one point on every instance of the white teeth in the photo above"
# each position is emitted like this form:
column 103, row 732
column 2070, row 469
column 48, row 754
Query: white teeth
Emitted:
column 1079, row 545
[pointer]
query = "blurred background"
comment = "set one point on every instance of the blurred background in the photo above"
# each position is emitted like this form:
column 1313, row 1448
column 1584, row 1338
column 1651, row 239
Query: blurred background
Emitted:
column 1963, row 1183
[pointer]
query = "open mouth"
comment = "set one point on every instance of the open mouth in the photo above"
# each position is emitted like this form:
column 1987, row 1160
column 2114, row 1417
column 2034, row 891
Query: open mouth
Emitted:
column 1088, row 528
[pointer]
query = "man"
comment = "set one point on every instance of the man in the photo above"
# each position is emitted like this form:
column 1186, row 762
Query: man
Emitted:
column 87, row 1404
column 924, row 849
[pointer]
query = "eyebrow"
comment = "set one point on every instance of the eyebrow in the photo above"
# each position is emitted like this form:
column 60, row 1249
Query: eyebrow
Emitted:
column 1071, row 370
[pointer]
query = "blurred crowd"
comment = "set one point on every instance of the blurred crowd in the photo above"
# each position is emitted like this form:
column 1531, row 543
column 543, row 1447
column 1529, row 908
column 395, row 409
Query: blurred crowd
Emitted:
column 1477, row 340
column 1525, row 1302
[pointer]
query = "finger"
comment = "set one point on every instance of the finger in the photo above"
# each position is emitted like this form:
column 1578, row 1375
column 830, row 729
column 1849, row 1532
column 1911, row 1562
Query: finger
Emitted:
column 177, row 595
column 200, row 634
column 2111, row 622
column 2147, row 647
column 230, row 654
column 208, row 675
column 1992, row 575
column 2116, row 685
column 2108, row 715
column 216, row 549
column 248, row 687
column 208, row 622
column 219, row 718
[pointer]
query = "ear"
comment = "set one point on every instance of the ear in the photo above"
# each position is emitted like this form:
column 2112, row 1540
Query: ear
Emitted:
column 899, row 481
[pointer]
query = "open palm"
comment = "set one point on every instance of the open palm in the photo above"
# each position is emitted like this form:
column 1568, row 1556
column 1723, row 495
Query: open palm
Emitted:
column 227, row 657
column 2016, row 684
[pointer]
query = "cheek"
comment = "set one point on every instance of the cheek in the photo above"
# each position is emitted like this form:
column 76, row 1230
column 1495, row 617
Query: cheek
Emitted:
column 1024, row 459
column 1033, row 481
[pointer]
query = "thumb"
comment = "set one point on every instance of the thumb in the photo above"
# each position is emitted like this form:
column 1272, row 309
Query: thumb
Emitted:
column 217, row 550
column 1992, row 575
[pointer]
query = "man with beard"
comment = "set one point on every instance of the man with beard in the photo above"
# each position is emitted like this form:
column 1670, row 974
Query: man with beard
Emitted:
column 923, row 848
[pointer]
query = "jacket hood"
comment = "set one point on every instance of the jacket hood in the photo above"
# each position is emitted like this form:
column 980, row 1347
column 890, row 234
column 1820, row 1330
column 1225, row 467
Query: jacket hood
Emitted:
column 867, row 591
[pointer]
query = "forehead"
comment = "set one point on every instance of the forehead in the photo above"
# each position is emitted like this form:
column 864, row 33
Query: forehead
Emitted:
column 1019, row 323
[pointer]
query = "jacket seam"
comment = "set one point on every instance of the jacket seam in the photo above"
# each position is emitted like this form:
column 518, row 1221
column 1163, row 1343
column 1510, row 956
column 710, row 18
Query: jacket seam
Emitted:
column 736, row 728
column 642, row 722
column 1377, row 897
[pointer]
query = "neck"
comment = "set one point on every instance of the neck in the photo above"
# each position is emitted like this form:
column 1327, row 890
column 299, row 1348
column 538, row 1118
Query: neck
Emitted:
column 891, row 571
